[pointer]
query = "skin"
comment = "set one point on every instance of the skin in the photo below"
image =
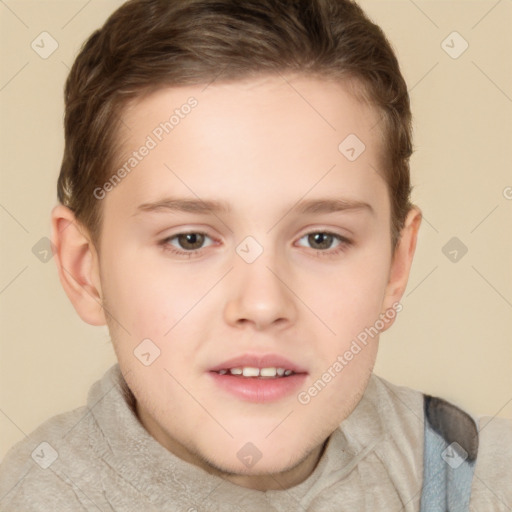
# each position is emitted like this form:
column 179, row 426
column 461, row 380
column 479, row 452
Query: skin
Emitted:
column 260, row 147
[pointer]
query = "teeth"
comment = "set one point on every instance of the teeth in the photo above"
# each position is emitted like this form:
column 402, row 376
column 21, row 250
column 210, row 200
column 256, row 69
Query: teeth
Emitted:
column 249, row 371
column 268, row 372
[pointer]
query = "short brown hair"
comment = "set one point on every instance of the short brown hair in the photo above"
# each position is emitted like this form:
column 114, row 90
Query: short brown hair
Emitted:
column 146, row 45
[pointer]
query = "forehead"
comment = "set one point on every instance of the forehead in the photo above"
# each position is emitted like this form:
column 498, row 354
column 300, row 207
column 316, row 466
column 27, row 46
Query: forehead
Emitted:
column 270, row 138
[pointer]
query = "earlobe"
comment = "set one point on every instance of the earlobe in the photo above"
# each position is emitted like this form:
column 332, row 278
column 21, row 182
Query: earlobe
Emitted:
column 77, row 265
column 402, row 259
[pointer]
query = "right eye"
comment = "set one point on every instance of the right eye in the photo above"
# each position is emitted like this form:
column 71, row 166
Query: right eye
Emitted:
column 185, row 244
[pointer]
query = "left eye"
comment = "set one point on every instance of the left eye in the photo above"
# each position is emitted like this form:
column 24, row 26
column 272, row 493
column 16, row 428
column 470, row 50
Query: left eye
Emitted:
column 322, row 240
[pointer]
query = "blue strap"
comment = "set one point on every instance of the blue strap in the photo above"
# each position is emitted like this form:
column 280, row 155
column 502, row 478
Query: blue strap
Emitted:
column 450, row 450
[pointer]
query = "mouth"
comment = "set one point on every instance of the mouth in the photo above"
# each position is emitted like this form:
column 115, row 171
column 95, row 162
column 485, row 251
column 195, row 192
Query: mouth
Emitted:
column 255, row 373
column 258, row 379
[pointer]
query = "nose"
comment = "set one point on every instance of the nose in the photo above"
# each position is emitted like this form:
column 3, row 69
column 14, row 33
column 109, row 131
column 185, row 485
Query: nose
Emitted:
column 260, row 295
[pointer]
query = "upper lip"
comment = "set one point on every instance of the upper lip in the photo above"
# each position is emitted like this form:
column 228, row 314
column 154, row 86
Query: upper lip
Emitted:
column 259, row 361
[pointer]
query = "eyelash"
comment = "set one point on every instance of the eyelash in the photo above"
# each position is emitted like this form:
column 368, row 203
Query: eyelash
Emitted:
column 167, row 248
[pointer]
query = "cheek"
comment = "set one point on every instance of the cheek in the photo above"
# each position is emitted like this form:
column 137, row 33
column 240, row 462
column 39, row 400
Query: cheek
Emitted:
column 161, row 304
column 149, row 299
column 349, row 302
column 338, row 381
column 350, row 298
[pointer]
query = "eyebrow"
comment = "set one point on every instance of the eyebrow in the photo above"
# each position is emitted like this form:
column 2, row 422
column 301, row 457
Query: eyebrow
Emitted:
column 205, row 206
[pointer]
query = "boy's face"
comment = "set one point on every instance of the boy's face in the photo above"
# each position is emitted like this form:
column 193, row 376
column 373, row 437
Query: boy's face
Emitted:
column 259, row 283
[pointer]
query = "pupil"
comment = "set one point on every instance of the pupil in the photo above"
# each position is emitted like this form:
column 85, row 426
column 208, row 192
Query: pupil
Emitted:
column 322, row 239
column 191, row 240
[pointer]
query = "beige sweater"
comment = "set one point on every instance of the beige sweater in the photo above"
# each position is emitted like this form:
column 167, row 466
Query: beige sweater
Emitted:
column 100, row 458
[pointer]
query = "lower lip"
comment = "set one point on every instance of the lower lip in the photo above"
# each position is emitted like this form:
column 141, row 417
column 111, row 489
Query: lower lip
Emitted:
column 259, row 390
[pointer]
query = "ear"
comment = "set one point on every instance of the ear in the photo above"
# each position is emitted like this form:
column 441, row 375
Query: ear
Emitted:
column 78, row 265
column 401, row 262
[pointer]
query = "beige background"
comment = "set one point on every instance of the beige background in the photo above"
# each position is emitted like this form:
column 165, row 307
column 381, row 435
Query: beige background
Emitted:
column 453, row 336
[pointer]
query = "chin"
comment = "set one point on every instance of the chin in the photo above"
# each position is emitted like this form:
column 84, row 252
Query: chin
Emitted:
column 264, row 466
column 241, row 456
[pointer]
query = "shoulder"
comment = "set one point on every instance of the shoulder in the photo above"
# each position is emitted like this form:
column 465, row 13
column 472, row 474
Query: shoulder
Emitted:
column 487, row 440
column 33, row 472
column 60, row 465
column 492, row 485
column 487, row 443
column 389, row 420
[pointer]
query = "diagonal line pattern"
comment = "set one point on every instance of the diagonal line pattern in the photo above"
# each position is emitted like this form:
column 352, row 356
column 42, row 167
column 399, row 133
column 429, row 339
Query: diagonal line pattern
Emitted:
column 496, row 414
column 12, row 421
column 400, row 400
column 322, row 178
column 93, row 406
column 494, row 494
column 428, row 275
column 14, row 218
column 485, row 15
column 299, row 200
column 424, row 13
column 213, row 490
column 12, row 280
column 19, row 19
column 76, row 14
column 423, row 77
column 429, row 223
column 220, row 220
column 97, row 301
column 280, row 423
column 199, row 403
column 211, row 288
column 214, row 78
column 493, row 287
column 492, row 81
column 14, row 76
column 16, row 484
column 307, row 101
column 63, row 437
column 74, row 485
column 301, row 300
column 287, row 492
column 488, row 215
column 415, row 496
